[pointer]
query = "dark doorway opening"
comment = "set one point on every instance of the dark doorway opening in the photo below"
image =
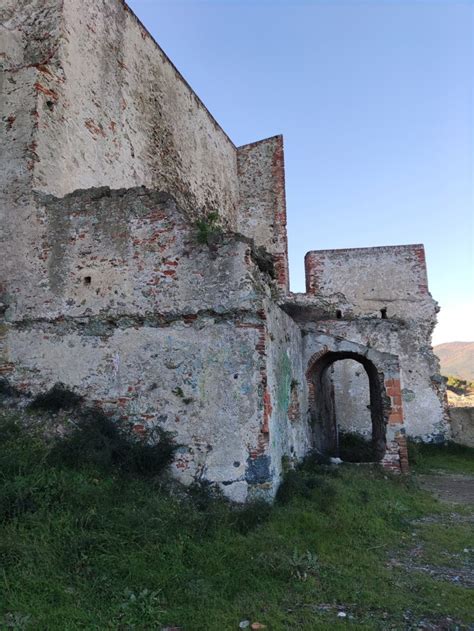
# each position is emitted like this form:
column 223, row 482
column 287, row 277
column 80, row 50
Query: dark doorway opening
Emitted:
column 327, row 437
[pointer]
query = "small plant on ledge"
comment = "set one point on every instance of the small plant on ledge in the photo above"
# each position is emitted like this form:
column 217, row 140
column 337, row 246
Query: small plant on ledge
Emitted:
column 208, row 232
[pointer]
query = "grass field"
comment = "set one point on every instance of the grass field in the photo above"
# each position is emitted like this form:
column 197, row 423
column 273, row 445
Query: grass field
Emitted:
column 84, row 548
column 450, row 458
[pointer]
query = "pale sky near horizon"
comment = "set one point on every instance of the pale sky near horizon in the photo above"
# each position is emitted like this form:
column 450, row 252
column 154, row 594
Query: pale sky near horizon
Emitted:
column 374, row 99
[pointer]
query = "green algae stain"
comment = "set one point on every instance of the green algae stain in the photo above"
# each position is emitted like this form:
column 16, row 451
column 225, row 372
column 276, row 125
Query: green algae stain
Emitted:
column 283, row 377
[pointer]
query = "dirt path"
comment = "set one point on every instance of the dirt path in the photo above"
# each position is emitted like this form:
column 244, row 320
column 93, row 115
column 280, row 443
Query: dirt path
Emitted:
column 449, row 487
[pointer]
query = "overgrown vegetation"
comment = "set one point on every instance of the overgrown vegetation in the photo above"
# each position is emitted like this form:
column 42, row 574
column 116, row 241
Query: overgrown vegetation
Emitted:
column 85, row 547
column 448, row 457
column 93, row 438
column 59, row 397
column 460, row 386
column 110, row 446
column 355, row 448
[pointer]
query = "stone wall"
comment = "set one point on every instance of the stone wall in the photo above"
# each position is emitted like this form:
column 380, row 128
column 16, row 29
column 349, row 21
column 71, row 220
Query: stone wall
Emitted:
column 112, row 110
column 123, row 252
column 462, row 425
column 112, row 311
column 371, row 279
column 128, row 309
column 105, row 286
column 262, row 212
column 90, row 100
column 379, row 297
column 112, row 158
column 286, row 397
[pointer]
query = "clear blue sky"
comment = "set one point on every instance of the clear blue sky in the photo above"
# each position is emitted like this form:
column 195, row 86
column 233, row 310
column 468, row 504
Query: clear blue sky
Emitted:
column 375, row 102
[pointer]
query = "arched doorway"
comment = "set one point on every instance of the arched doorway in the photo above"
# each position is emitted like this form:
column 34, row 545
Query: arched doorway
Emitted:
column 323, row 409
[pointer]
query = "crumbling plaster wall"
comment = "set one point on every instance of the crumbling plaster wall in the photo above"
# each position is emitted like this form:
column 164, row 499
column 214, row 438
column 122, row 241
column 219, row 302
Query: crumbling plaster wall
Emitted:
column 124, row 252
column 391, row 277
column 424, row 412
column 262, row 212
column 196, row 379
column 92, row 100
column 113, row 111
column 360, row 283
column 286, row 411
column 113, row 312
column 30, row 35
column 462, row 425
column 100, row 289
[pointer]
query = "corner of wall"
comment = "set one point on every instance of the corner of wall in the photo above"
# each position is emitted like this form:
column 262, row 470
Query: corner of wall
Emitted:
column 262, row 210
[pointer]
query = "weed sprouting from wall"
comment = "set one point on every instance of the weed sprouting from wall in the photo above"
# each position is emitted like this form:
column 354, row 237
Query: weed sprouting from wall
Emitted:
column 208, row 230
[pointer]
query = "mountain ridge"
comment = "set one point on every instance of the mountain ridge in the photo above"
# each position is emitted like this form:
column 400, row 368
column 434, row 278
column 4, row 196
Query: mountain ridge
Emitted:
column 456, row 359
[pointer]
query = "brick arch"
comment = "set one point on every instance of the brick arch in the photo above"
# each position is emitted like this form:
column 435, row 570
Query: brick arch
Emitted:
column 384, row 376
column 385, row 396
column 314, row 358
column 309, row 370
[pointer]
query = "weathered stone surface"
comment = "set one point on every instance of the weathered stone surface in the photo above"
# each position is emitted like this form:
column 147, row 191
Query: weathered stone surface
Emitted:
column 99, row 252
column 109, row 285
column 262, row 209
column 462, row 425
column 381, row 297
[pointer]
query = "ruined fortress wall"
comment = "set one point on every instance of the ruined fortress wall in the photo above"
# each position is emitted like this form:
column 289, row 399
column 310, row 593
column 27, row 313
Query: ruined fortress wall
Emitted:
column 128, row 252
column 91, row 100
column 116, row 317
column 103, row 285
column 388, row 277
column 286, row 396
column 389, row 425
column 462, row 425
column 113, row 111
column 30, row 34
column 129, row 310
column 196, row 378
column 367, row 280
column 422, row 388
column 262, row 211
column 88, row 100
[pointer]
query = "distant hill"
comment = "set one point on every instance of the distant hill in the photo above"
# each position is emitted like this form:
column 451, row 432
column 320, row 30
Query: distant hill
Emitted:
column 457, row 359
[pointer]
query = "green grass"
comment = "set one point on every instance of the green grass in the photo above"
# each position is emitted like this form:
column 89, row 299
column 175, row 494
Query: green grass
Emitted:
column 450, row 458
column 448, row 546
column 81, row 548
